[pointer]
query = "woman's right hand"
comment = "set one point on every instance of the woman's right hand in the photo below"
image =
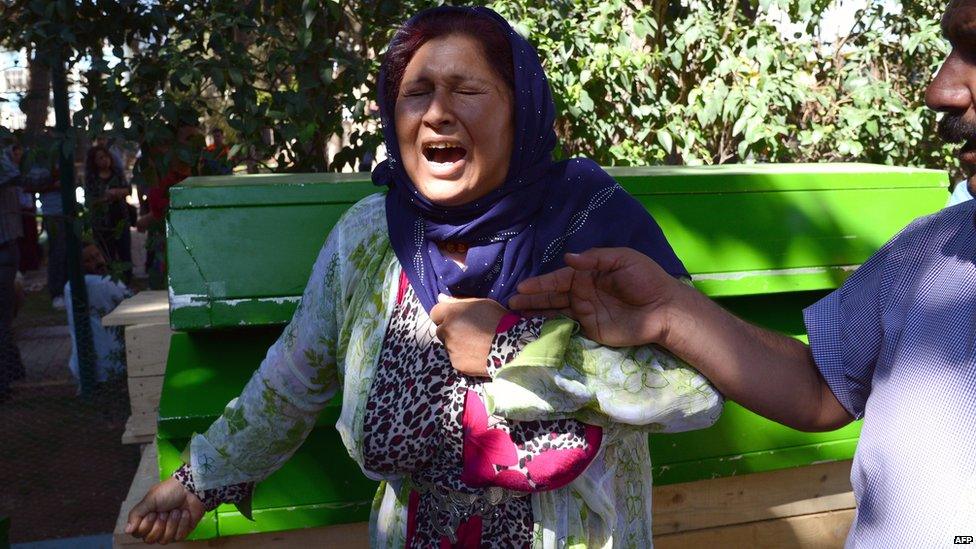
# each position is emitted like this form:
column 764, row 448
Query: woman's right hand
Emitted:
column 168, row 512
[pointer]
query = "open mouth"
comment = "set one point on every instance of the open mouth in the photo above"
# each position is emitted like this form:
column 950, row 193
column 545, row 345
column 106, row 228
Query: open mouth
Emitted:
column 444, row 153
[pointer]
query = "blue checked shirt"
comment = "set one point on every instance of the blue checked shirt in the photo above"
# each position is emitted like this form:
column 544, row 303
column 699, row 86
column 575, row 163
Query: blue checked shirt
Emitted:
column 897, row 345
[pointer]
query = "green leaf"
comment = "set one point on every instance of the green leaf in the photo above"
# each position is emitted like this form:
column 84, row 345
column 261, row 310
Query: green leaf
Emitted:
column 235, row 76
column 664, row 138
column 585, row 102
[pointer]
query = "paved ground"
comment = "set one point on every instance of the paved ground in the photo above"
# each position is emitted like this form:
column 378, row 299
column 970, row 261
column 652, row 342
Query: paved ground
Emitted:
column 103, row 541
column 63, row 470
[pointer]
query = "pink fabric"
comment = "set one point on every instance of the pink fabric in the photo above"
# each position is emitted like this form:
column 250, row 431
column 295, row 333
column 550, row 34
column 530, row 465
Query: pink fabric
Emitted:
column 404, row 284
column 507, row 322
column 411, row 519
column 485, row 447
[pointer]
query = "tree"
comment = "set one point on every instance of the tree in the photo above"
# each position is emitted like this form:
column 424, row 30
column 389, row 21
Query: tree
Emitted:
column 635, row 81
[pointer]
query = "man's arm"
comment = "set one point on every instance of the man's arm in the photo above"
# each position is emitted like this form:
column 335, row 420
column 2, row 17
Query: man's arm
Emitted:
column 771, row 374
column 621, row 297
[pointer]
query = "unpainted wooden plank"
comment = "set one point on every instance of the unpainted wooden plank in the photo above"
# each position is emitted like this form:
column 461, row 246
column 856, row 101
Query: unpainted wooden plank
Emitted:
column 131, row 438
column 816, row 531
column 146, row 410
column 146, row 349
column 140, row 424
column 146, row 404
column 339, row 536
column 759, row 496
column 147, row 387
column 147, row 307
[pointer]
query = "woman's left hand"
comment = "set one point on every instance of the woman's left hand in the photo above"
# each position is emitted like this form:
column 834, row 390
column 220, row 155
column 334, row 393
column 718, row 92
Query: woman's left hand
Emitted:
column 466, row 327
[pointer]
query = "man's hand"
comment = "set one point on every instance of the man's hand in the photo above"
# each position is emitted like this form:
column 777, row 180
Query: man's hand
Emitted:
column 619, row 296
column 167, row 513
column 466, row 327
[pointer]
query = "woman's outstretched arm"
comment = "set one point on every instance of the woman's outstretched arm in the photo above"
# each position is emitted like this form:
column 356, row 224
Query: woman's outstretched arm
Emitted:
column 259, row 430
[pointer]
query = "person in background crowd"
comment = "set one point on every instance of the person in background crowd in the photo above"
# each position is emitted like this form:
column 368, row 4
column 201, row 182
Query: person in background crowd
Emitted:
column 52, row 219
column 216, row 157
column 113, row 149
column 105, row 191
column 104, row 295
column 11, row 229
column 30, row 250
column 188, row 137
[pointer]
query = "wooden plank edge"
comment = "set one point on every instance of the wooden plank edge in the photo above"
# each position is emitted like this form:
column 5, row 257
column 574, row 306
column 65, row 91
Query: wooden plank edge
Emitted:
column 826, row 530
column 753, row 497
column 137, row 434
column 146, row 307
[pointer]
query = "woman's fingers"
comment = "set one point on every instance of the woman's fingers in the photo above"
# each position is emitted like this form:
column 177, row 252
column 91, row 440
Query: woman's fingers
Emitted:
column 172, row 524
column 184, row 527
column 136, row 515
column 145, row 525
column 158, row 528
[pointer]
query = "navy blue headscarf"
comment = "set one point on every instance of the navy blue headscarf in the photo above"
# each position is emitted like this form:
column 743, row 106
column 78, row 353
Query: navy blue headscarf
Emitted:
column 521, row 229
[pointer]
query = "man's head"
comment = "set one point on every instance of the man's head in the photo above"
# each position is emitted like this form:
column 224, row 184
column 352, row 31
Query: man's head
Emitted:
column 953, row 91
column 218, row 138
column 93, row 261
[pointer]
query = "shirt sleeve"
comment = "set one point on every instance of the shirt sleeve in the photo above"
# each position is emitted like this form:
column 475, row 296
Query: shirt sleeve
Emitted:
column 562, row 374
column 259, row 430
column 845, row 330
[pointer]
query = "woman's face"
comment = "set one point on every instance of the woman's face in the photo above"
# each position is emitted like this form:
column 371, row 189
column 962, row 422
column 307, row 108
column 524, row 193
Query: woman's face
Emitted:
column 454, row 122
column 103, row 161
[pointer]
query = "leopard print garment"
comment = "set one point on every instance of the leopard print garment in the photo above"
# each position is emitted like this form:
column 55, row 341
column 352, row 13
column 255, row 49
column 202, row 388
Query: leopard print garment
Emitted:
column 413, row 424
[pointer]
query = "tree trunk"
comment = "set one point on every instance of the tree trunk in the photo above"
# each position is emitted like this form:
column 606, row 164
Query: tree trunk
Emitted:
column 37, row 101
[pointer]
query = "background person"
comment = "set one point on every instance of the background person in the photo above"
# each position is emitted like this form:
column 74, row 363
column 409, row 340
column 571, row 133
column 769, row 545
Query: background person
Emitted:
column 215, row 159
column 106, row 188
column 30, row 249
column 104, row 295
column 54, row 224
column 11, row 229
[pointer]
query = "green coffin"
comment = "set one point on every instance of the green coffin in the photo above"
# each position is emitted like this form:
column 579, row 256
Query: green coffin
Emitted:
column 765, row 241
column 240, row 249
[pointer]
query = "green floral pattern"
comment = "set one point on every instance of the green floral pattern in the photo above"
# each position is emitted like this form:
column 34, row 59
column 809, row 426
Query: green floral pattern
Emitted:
column 335, row 339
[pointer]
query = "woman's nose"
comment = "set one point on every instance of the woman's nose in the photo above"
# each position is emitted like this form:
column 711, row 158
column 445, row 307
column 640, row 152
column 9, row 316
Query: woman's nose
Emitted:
column 952, row 88
column 439, row 112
